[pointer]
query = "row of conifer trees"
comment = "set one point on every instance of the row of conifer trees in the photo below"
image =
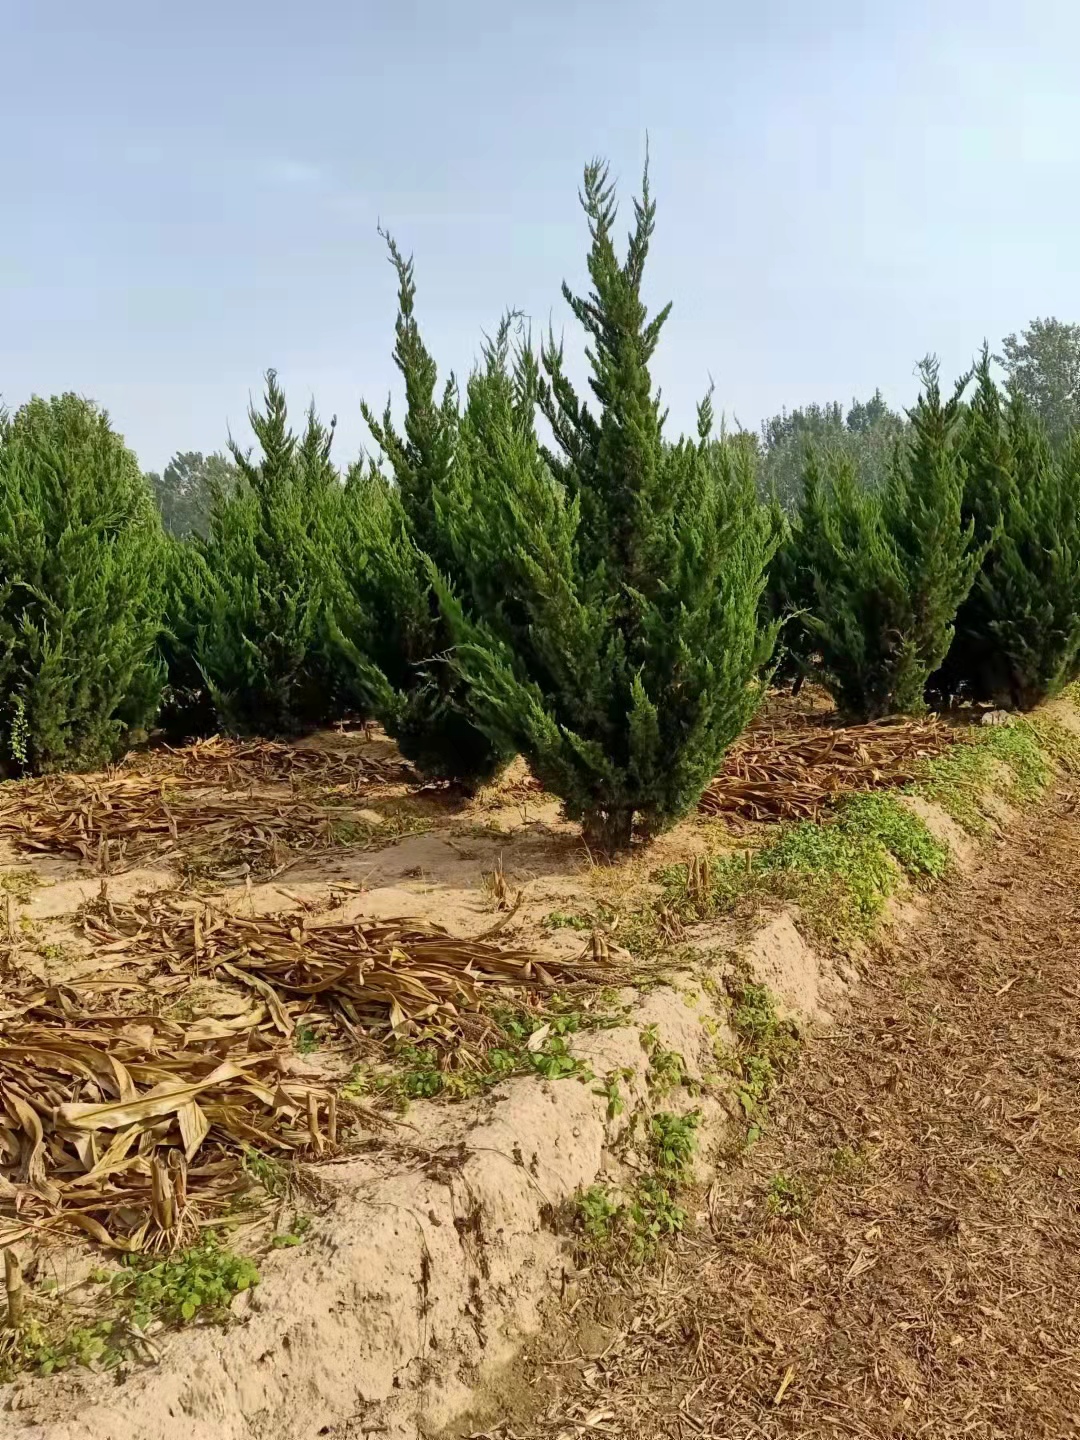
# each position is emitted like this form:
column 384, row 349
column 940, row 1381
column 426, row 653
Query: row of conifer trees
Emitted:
column 606, row 601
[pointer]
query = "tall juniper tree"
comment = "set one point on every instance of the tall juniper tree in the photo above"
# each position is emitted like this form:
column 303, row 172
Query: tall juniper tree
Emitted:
column 80, row 589
column 262, row 637
column 391, row 533
column 1018, row 632
column 888, row 566
column 606, row 615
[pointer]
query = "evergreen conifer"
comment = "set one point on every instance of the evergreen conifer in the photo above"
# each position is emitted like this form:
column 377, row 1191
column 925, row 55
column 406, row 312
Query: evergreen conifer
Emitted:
column 263, row 639
column 606, row 610
column 80, row 590
column 1018, row 632
column 890, row 565
column 387, row 615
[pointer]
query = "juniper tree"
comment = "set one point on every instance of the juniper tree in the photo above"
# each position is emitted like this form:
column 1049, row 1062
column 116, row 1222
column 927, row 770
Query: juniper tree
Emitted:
column 80, row 590
column 390, row 535
column 890, row 565
column 262, row 641
column 1018, row 632
column 605, row 615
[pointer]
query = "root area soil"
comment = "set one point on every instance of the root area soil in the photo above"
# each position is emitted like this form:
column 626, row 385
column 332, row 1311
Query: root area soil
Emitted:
column 900, row 1254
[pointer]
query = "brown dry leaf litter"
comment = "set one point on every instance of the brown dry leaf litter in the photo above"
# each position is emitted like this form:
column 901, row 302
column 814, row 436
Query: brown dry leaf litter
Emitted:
column 130, row 1123
column 170, row 804
column 926, row 1282
column 791, row 771
column 350, row 766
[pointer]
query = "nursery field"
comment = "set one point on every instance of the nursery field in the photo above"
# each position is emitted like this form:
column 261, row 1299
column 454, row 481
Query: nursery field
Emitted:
column 547, row 872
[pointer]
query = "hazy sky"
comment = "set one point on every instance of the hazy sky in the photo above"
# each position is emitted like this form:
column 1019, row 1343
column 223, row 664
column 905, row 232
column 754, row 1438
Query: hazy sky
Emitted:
column 190, row 192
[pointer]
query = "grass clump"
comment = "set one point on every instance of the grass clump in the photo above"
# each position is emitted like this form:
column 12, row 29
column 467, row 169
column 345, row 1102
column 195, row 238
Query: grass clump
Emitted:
column 1018, row 756
column 840, row 872
column 562, row 920
column 667, row 1069
column 197, row 1283
column 19, row 884
column 524, row 1042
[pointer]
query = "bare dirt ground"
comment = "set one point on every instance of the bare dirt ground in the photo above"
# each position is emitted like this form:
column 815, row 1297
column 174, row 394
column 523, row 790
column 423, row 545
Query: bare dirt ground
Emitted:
column 900, row 1255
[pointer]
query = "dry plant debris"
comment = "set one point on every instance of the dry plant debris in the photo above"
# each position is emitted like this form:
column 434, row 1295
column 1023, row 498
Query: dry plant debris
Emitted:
column 791, row 771
column 130, row 1123
column 168, row 804
column 218, row 760
column 928, row 1282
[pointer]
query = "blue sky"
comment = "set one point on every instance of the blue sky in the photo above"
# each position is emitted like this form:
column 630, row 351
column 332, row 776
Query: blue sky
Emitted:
column 191, row 192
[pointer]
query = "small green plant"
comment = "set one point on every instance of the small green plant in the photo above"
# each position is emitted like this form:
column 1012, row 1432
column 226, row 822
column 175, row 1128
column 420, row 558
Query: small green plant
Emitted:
column 305, row 1039
column 612, row 1093
column 200, row 1282
column 195, row 1284
column 654, row 1215
column 840, row 872
column 847, row 1164
column 786, row 1197
column 563, row 920
column 767, row 1045
column 672, row 1142
column 295, row 1235
column 271, row 1174
column 958, row 779
column 667, row 1070
column 598, row 1213
column 19, row 884
column 650, row 1213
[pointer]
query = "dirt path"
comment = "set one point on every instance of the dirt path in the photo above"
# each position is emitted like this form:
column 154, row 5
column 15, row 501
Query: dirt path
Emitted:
column 924, row 1279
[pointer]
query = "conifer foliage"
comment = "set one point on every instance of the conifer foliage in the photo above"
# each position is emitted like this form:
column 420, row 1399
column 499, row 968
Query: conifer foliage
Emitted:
column 888, row 567
column 392, row 532
column 80, row 600
column 606, row 620
column 1018, row 632
column 261, row 641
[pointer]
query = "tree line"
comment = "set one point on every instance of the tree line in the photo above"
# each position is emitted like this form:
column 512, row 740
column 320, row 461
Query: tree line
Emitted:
column 600, row 597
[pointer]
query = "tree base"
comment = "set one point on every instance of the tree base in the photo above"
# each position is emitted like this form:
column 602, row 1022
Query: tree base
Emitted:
column 608, row 832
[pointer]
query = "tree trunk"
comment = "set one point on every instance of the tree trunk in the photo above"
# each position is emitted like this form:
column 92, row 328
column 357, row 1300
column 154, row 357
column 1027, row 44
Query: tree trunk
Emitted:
column 608, row 832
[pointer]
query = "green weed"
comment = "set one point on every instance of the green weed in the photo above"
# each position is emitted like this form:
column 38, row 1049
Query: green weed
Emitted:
column 612, row 1093
column 562, row 920
column 650, row 1213
column 19, row 884
column 840, row 872
column 667, row 1070
column 195, row 1284
column 1020, row 754
column 786, row 1197
column 267, row 1172
column 672, row 1142
column 200, row 1282
column 767, row 1046
column 305, row 1039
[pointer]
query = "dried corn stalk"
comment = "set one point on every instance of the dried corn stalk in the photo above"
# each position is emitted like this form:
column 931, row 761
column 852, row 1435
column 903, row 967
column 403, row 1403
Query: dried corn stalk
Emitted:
column 792, row 772
column 130, row 1123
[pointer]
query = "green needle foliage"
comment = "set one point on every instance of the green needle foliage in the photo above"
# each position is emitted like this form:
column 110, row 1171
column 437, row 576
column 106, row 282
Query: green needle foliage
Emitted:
column 1018, row 632
column 890, row 566
column 80, row 590
column 607, row 620
column 390, row 535
column 262, row 640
